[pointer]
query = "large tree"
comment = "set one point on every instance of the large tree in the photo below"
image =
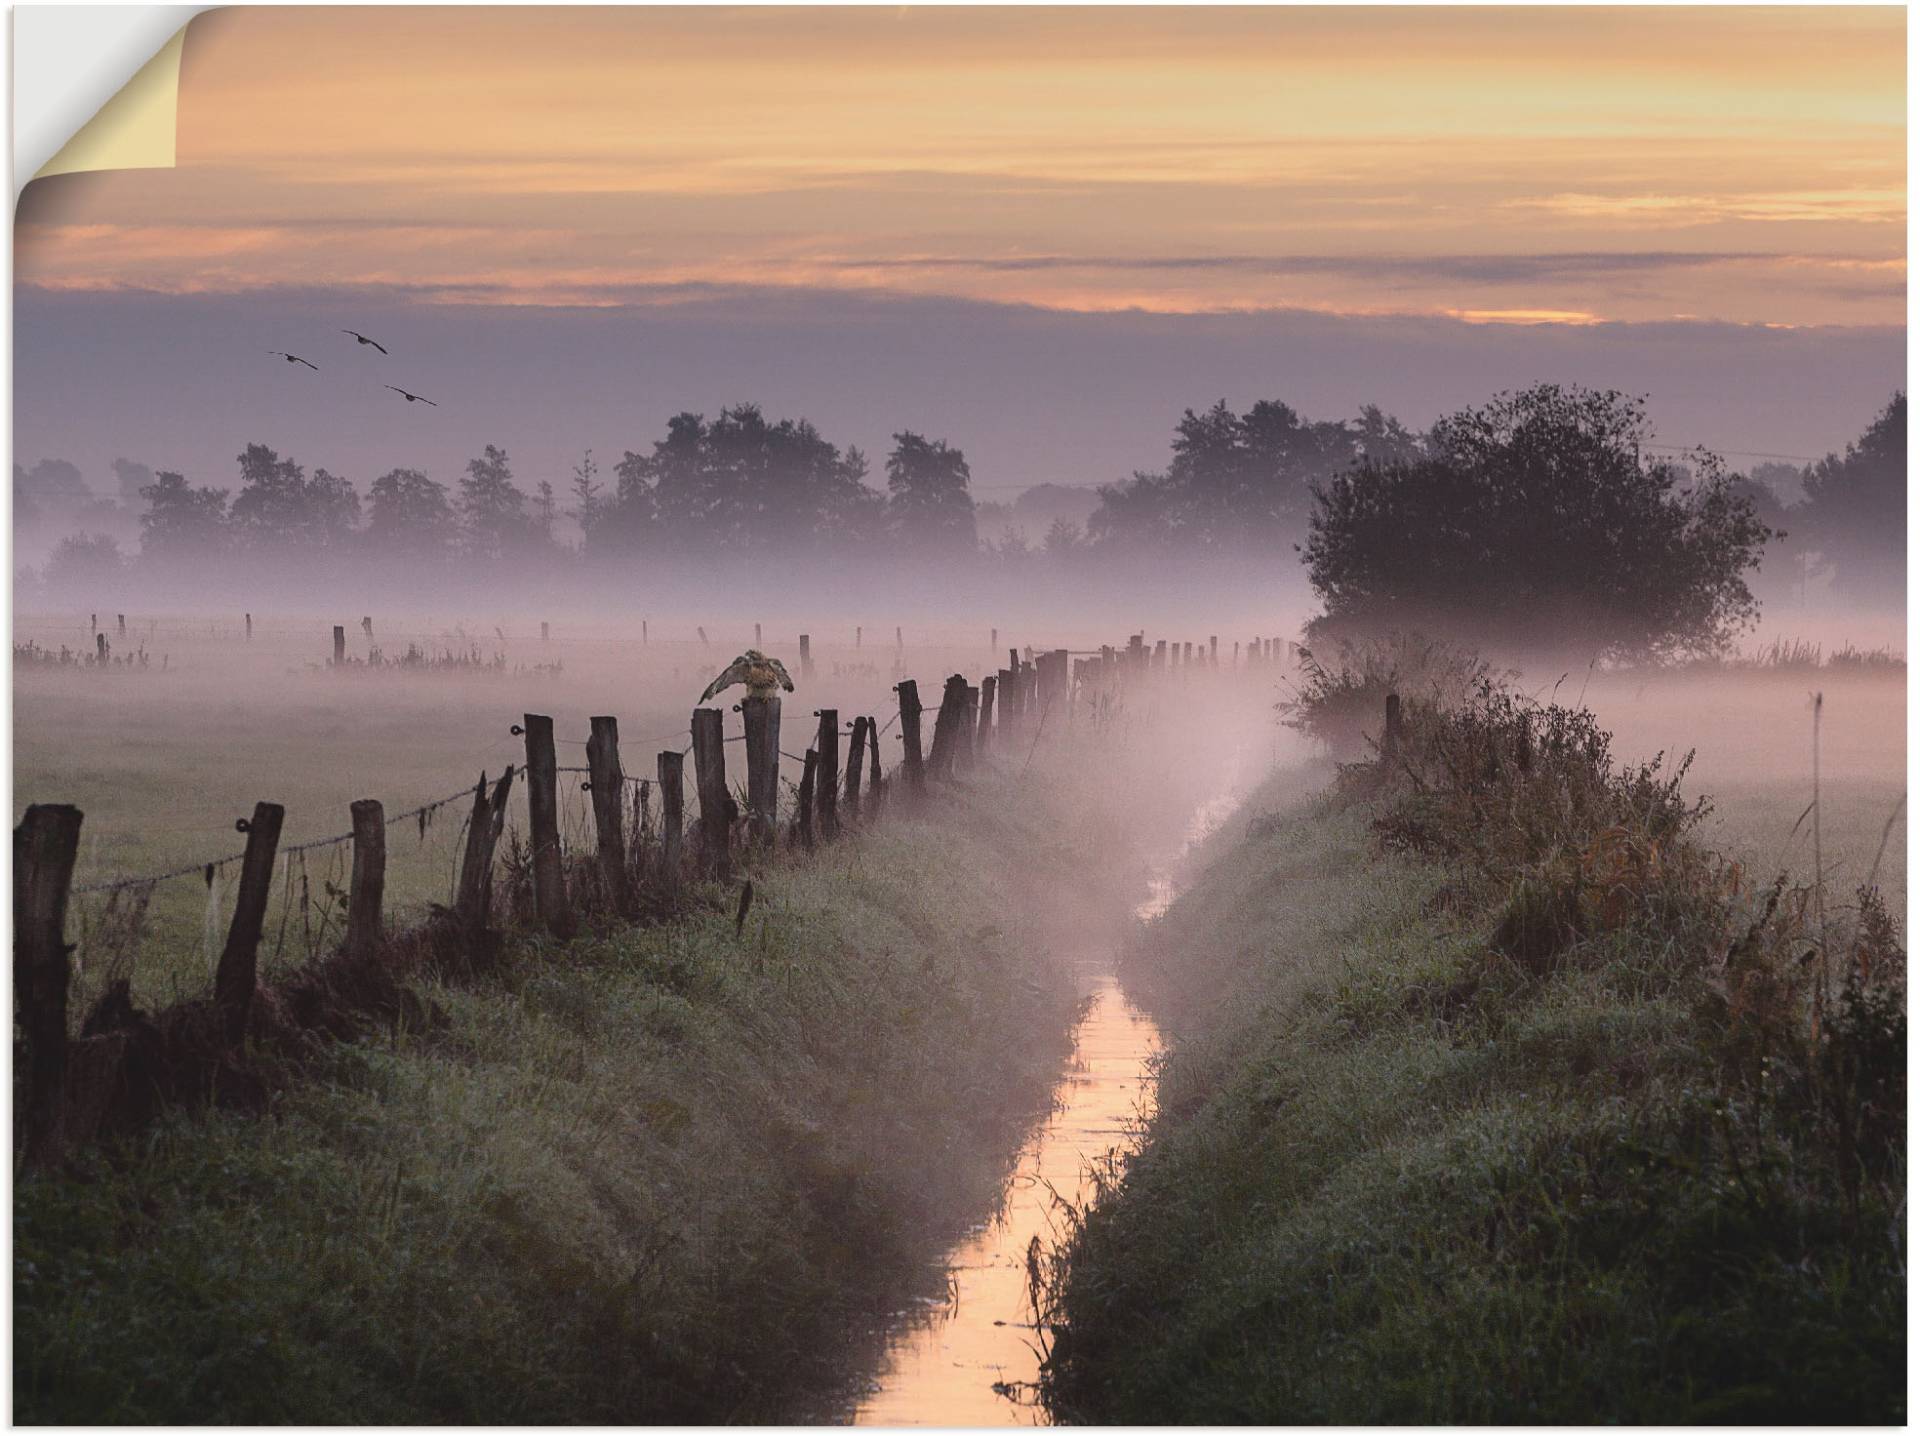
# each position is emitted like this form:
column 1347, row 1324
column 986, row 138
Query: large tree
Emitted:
column 1856, row 509
column 1239, row 483
column 1537, row 522
column 493, row 513
column 929, row 508
column 181, row 524
column 410, row 517
column 739, row 485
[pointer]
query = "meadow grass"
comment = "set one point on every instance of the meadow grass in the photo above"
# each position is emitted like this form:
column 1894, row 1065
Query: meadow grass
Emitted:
column 1411, row 1164
column 665, row 1174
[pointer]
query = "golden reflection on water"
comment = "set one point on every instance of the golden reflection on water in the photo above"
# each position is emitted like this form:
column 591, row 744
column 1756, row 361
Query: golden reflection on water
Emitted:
column 943, row 1367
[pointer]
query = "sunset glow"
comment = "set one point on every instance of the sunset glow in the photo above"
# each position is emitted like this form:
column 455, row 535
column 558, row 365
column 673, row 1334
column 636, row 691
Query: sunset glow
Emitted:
column 1546, row 166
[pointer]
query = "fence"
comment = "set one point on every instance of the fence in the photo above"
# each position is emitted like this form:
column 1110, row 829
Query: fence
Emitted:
column 632, row 855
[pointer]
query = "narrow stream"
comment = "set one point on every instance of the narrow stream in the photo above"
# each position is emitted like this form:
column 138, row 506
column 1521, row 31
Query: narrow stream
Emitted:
column 972, row 1358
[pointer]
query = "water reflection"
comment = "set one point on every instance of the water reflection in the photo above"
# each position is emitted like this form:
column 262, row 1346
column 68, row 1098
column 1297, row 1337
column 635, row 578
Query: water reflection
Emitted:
column 971, row 1360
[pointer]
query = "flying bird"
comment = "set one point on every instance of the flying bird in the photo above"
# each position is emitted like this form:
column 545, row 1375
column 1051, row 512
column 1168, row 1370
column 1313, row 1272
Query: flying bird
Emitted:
column 410, row 398
column 364, row 340
column 293, row 359
column 760, row 673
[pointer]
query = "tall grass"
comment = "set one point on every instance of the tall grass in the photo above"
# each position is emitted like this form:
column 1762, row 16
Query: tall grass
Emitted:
column 1495, row 1097
column 656, row 1174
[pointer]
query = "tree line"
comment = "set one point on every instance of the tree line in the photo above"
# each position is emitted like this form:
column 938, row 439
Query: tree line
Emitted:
column 1537, row 510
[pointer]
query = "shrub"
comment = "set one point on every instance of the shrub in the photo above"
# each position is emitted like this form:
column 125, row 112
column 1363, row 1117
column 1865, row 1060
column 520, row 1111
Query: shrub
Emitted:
column 1342, row 696
column 1537, row 517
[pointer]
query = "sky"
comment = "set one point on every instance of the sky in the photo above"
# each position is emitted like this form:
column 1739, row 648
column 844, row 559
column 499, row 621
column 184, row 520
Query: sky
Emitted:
column 981, row 222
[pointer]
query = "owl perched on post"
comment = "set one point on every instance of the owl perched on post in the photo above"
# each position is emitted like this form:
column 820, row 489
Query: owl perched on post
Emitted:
column 761, row 674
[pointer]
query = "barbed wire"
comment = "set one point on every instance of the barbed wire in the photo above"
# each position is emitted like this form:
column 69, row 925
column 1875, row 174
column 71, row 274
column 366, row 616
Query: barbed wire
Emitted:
column 213, row 864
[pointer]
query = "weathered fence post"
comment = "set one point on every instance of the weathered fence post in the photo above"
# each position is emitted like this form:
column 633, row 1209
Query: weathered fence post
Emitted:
column 249, row 618
column 762, row 719
column 806, row 656
column 859, row 633
column 670, row 768
column 988, row 687
column 475, row 896
column 543, row 822
column 756, row 635
column 237, row 976
column 703, row 634
column 643, row 633
column 948, row 724
column 710, row 784
column 121, row 624
column 909, row 692
column 856, row 754
column 608, row 785
column 339, row 644
column 827, row 780
column 101, row 648
column 44, row 848
column 969, row 725
column 368, row 884
column 366, row 627
column 804, row 815
column 875, row 787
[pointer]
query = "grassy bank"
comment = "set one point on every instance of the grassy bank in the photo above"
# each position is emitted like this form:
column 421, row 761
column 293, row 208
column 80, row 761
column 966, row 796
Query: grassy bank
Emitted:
column 1493, row 1097
column 659, row 1175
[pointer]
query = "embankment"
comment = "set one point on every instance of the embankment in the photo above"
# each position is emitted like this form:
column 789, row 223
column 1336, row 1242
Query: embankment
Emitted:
column 1492, row 1098
column 658, row 1175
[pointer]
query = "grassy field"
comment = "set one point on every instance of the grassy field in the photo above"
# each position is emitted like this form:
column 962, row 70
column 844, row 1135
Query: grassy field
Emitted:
column 1422, row 1156
column 662, row 1173
column 666, row 1175
column 163, row 762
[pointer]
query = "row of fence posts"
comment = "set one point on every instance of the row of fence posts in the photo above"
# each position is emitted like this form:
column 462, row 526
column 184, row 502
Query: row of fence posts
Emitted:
column 1004, row 708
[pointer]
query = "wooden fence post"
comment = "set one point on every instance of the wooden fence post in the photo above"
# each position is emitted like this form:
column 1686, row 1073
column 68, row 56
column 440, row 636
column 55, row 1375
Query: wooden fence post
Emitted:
column 806, row 656
column 710, row 784
column 875, row 787
column 856, row 754
column 809, row 770
column 339, row 644
column 543, row 822
column 909, row 692
column 670, row 768
column 988, row 687
column 948, row 724
column 826, row 785
column 238, row 973
column 475, row 895
column 368, row 884
column 366, row 627
column 761, row 717
column 756, row 635
column 101, row 648
column 121, row 624
column 44, row 848
column 249, row 618
column 969, row 725
column 608, row 787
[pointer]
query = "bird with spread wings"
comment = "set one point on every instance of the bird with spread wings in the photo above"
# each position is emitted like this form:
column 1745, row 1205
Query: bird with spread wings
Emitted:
column 761, row 675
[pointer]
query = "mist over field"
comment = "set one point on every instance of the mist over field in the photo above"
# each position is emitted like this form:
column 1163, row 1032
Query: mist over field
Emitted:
column 969, row 717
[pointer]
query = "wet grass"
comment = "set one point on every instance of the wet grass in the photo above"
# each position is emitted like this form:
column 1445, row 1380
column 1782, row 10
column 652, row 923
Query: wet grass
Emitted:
column 656, row 1176
column 1399, row 1174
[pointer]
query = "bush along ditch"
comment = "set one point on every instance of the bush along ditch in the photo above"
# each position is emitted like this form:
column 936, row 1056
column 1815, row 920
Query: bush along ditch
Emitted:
column 1495, row 1096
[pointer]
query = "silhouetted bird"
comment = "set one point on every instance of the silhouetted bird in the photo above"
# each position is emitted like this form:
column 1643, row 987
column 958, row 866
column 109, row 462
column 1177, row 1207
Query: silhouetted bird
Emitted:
column 760, row 673
column 294, row 359
column 410, row 398
column 364, row 340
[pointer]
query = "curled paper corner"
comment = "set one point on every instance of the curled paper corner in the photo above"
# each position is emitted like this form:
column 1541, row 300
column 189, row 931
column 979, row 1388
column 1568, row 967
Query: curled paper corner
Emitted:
column 136, row 128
